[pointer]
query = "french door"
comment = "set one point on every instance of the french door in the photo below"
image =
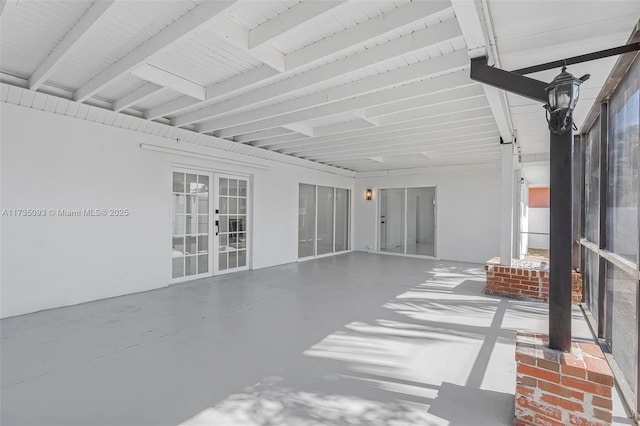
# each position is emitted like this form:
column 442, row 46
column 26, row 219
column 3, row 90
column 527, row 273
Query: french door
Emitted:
column 209, row 224
column 231, row 236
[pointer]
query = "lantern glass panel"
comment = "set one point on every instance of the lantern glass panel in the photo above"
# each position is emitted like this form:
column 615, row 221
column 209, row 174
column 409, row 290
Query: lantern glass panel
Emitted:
column 552, row 99
column 563, row 96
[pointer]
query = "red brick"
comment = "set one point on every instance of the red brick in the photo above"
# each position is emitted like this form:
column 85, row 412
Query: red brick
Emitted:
column 598, row 401
column 581, row 421
column 521, row 390
column 548, row 365
column 546, row 421
column 591, row 349
column 539, row 373
column 527, row 381
column 577, row 395
column 599, row 371
column 555, row 389
column 552, row 412
column 587, row 386
column 604, row 415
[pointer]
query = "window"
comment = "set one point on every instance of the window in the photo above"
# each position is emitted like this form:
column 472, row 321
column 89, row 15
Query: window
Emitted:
column 323, row 220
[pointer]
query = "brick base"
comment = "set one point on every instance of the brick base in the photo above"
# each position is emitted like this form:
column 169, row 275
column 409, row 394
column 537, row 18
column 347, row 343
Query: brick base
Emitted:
column 525, row 280
column 557, row 388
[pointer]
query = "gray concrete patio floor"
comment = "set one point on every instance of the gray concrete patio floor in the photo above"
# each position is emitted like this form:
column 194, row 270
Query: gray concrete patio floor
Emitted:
column 356, row 339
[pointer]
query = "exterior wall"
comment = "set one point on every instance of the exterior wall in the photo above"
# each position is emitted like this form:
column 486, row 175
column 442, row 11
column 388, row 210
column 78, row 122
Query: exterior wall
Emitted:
column 56, row 162
column 467, row 214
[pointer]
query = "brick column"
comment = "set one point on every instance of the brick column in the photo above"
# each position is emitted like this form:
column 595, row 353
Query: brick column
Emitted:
column 558, row 388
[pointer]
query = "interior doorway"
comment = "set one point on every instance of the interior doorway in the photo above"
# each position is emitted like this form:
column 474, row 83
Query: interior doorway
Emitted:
column 407, row 221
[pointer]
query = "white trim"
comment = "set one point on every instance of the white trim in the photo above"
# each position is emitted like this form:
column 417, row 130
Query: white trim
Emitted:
column 203, row 156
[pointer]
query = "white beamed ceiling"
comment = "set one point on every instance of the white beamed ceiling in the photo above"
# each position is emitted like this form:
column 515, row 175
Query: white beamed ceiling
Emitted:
column 361, row 85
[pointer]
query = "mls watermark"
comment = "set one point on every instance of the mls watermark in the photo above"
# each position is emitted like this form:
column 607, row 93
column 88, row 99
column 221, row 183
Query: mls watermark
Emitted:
column 65, row 212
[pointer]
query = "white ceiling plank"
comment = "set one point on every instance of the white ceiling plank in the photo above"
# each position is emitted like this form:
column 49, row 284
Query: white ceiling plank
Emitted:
column 214, row 92
column 465, row 104
column 138, row 95
column 153, row 74
column 453, row 115
column 376, row 27
column 422, row 101
column 181, row 28
column 7, row 7
column 358, row 87
column 477, row 124
column 288, row 20
column 291, row 137
column 262, row 135
column 397, row 47
column 300, row 128
column 477, row 34
column 71, row 39
column 346, row 126
column 346, row 105
column 413, row 147
column 395, row 140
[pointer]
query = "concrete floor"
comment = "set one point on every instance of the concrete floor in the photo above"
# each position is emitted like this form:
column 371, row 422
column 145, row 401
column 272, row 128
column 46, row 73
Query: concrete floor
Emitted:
column 420, row 249
column 356, row 339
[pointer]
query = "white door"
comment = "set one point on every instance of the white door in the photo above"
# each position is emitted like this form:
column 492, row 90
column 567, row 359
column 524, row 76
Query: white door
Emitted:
column 231, row 236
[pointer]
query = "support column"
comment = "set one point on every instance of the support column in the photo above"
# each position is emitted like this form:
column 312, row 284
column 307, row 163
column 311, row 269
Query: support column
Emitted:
column 560, row 242
column 506, row 205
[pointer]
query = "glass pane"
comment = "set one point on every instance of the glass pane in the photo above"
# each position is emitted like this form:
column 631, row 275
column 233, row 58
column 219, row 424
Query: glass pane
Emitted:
column 223, row 223
column 224, row 242
column 242, row 188
column 242, row 223
column 242, row 240
column 622, row 335
column 203, row 244
column 342, row 219
column 222, row 261
column 190, row 265
column 204, row 183
column 203, row 224
column 233, row 224
column 192, row 204
column 178, row 203
column 622, row 194
column 233, row 205
column 233, row 240
column 306, row 220
column 177, row 267
column 224, row 205
column 233, row 260
column 192, row 224
column 242, row 258
column 192, row 183
column 178, row 182
column 224, row 186
column 392, row 220
column 233, row 187
column 325, row 220
column 591, row 184
column 242, row 205
column 178, row 246
column 203, row 263
column 203, row 203
column 190, row 245
column 178, row 224
column 421, row 221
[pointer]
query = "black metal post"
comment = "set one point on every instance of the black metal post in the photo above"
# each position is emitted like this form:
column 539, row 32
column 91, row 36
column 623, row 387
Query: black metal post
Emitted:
column 560, row 242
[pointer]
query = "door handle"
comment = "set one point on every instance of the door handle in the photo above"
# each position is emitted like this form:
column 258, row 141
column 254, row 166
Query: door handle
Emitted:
column 217, row 223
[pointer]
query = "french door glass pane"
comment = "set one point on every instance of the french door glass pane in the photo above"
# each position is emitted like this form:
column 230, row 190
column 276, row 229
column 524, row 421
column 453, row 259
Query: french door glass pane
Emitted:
column 622, row 194
column 325, row 220
column 232, row 220
column 342, row 219
column 306, row 220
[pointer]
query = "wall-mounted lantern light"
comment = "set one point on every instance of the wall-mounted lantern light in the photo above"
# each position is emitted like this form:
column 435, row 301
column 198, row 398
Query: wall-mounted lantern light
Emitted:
column 368, row 195
column 563, row 93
